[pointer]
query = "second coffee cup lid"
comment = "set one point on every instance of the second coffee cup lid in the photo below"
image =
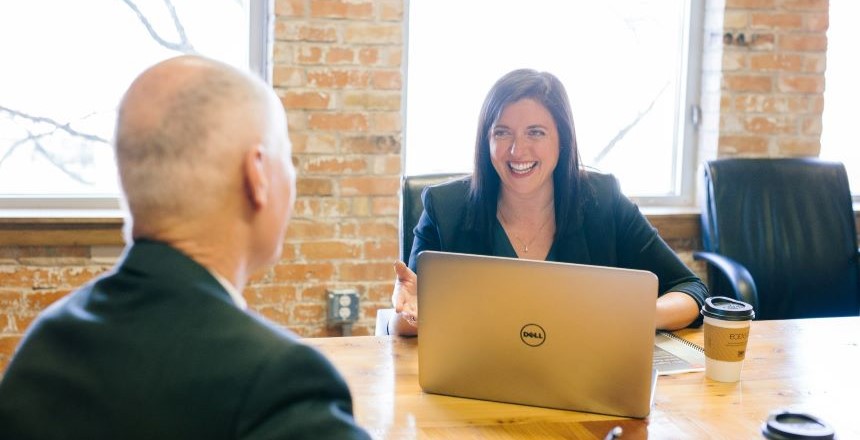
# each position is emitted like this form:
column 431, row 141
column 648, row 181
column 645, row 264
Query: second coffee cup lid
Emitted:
column 721, row 307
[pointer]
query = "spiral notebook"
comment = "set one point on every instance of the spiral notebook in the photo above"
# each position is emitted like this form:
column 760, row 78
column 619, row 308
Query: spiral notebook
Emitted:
column 674, row 355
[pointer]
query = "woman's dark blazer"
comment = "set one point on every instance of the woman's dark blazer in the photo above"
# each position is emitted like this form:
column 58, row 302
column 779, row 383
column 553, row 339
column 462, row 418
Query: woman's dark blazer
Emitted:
column 609, row 230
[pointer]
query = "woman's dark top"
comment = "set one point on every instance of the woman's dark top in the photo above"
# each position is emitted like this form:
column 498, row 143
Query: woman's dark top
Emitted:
column 608, row 230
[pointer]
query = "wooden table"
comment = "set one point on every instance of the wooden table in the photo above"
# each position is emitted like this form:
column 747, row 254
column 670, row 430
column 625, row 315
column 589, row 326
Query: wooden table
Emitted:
column 810, row 365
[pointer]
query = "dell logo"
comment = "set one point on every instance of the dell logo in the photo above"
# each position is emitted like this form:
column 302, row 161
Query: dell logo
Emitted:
column 532, row 335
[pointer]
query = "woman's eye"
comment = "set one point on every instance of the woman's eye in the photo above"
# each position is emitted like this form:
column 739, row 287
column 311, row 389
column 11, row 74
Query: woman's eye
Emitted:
column 536, row 132
column 501, row 133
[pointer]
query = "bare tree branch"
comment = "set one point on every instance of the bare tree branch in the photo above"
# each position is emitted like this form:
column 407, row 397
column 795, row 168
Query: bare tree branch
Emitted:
column 54, row 161
column 183, row 46
column 65, row 127
column 626, row 129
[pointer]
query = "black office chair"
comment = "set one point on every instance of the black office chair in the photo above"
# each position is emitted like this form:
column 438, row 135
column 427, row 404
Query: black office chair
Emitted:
column 410, row 211
column 411, row 206
column 780, row 235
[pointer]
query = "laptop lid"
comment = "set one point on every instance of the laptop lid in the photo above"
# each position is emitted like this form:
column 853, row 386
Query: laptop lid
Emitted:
column 539, row 333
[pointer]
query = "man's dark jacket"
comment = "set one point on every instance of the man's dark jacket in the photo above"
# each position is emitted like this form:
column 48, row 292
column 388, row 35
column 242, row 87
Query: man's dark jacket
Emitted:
column 157, row 349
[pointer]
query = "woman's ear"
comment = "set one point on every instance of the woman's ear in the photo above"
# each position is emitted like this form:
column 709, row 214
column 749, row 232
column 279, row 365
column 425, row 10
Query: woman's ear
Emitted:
column 256, row 179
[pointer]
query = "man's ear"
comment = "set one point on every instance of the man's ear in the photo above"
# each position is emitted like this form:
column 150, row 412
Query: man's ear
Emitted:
column 256, row 179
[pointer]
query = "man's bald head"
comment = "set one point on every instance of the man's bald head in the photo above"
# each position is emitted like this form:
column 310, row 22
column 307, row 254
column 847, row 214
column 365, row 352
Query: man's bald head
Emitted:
column 183, row 129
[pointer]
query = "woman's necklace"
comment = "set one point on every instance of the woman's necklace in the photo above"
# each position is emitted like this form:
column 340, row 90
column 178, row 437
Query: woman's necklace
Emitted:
column 525, row 246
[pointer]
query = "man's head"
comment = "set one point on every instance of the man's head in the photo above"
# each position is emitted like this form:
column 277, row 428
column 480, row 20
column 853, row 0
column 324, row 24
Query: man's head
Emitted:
column 202, row 149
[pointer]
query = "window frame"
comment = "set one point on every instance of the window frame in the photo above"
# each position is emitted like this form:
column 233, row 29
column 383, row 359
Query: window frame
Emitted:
column 686, row 125
column 261, row 25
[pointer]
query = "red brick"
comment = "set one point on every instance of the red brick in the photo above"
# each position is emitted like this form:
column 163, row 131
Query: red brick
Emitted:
column 76, row 276
column 393, row 57
column 369, row 230
column 748, row 83
column 283, row 76
column 316, row 142
column 811, row 126
column 276, row 314
column 805, row 5
column 749, row 4
column 366, row 271
column 372, row 100
column 309, row 55
column 335, row 165
column 308, row 186
column 372, row 144
column 338, row 121
column 814, row 63
column 329, row 250
column 801, row 83
column 9, row 301
column 799, row 147
column 776, row 62
column 368, row 56
column 8, row 344
column 311, row 228
column 389, row 164
column 321, row 207
column 761, row 42
column 381, row 292
column 391, row 10
column 369, row 185
column 308, row 313
column 386, row 80
column 341, row 8
column 339, row 55
column 385, row 206
column 24, row 276
column 387, row 250
column 305, row 100
column 741, row 143
column 817, row 22
column 773, row 124
column 338, row 79
column 315, row 293
column 300, row 31
column 40, row 299
column 768, row 20
column 803, row 42
column 366, row 33
column 291, row 272
column 386, row 122
column 290, row 8
column 268, row 295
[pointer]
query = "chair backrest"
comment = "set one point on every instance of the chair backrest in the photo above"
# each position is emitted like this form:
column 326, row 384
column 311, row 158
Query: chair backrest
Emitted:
column 411, row 206
column 790, row 222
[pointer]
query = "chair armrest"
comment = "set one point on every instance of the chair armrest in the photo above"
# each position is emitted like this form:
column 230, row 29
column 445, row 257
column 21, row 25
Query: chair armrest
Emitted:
column 739, row 277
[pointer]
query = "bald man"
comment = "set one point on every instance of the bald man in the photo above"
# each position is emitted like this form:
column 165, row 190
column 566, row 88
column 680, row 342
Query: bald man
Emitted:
column 161, row 347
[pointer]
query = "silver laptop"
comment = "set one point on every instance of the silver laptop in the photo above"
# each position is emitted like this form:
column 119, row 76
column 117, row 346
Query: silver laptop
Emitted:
column 539, row 333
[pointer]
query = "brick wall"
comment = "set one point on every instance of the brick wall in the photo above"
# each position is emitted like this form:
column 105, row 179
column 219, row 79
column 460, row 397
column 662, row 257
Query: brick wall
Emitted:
column 338, row 71
column 773, row 61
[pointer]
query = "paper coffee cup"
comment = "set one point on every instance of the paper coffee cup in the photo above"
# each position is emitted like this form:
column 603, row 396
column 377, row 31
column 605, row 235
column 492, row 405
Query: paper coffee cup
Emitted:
column 727, row 325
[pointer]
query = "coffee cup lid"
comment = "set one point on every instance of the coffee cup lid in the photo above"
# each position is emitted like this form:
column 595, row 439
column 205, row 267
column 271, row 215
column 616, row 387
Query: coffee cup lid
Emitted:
column 728, row 309
column 785, row 425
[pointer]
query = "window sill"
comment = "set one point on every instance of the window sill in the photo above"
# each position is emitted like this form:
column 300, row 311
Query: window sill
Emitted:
column 61, row 227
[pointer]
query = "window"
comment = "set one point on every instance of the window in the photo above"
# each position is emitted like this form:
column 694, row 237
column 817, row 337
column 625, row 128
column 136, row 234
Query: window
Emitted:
column 842, row 92
column 66, row 65
column 629, row 68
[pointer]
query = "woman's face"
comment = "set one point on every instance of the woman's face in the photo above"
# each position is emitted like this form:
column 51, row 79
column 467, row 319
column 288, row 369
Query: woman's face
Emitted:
column 524, row 147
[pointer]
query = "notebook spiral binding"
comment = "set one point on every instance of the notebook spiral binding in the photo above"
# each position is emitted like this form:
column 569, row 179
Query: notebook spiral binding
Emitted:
column 682, row 340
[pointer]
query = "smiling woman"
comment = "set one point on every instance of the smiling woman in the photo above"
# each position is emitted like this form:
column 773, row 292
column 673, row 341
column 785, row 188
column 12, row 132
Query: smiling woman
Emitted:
column 56, row 123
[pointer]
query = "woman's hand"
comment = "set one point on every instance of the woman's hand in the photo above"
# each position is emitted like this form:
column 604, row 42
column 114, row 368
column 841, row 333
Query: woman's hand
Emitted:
column 405, row 300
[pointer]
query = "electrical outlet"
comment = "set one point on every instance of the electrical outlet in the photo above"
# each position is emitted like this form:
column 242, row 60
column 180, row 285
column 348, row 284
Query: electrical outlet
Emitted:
column 342, row 306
